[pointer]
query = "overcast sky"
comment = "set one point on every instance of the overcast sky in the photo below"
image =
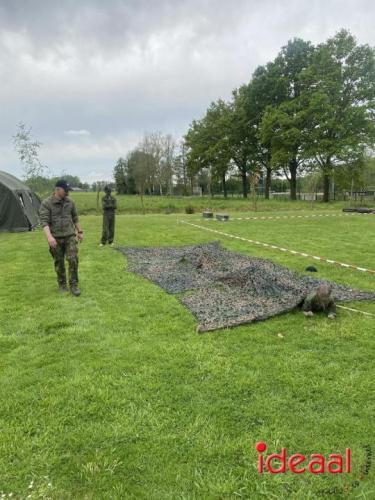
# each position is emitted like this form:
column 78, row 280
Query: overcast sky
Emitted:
column 92, row 76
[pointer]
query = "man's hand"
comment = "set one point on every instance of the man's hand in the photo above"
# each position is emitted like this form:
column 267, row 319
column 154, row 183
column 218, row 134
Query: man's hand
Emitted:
column 52, row 242
column 79, row 232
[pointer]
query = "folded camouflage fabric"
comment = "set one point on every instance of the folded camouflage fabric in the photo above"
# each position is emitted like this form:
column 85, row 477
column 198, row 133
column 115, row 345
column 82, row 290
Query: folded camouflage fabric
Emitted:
column 223, row 288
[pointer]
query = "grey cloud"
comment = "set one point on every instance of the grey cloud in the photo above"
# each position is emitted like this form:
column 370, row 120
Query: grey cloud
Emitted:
column 120, row 68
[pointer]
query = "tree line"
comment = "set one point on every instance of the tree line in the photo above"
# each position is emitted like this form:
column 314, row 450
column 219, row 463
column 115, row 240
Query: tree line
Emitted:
column 158, row 165
column 309, row 110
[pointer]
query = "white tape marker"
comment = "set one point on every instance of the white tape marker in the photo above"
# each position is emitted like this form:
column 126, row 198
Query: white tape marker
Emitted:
column 293, row 252
column 356, row 310
column 294, row 216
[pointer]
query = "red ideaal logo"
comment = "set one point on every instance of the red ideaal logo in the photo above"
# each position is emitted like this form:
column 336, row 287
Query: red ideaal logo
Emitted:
column 317, row 464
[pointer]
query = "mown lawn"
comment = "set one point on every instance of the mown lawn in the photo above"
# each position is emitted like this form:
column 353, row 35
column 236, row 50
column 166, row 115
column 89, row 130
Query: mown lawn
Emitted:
column 89, row 204
column 114, row 395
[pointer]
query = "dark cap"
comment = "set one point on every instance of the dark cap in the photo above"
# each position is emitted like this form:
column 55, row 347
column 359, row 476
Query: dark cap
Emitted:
column 63, row 184
column 107, row 189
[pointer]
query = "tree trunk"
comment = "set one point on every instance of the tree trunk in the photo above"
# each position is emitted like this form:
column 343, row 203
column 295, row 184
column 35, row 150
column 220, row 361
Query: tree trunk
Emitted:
column 293, row 178
column 244, row 183
column 225, row 187
column 326, row 181
column 267, row 185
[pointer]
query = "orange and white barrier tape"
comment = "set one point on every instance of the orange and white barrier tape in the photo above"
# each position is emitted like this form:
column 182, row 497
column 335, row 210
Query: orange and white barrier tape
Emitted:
column 282, row 249
column 356, row 310
column 294, row 216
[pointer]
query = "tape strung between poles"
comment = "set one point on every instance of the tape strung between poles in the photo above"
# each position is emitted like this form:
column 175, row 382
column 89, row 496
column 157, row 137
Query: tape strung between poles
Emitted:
column 275, row 247
column 294, row 253
column 356, row 310
column 278, row 217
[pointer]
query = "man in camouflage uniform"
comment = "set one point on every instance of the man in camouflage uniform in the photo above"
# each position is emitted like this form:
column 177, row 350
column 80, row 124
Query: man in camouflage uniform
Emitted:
column 59, row 219
column 109, row 205
column 320, row 300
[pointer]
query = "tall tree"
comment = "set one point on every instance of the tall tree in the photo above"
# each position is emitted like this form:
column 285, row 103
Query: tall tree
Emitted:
column 282, row 125
column 142, row 166
column 167, row 164
column 208, row 144
column 181, row 169
column 242, row 137
column 338, row 99
column 120, row 176
column 267, row 87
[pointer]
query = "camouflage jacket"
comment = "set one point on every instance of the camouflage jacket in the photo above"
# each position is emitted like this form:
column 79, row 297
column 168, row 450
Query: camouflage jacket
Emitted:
column 60, row 215
column 314, row 304
column 109, row 202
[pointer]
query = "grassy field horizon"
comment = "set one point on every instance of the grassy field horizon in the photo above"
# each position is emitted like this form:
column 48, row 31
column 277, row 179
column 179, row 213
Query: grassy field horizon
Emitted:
column 114, row 395
column 131, row 204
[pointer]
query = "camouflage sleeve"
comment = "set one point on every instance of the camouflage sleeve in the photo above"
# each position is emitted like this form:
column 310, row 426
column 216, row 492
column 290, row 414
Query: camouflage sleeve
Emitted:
column 45, row 214
column 114, row 203
column 331, row 309
column 74, row 213
column 308, row 303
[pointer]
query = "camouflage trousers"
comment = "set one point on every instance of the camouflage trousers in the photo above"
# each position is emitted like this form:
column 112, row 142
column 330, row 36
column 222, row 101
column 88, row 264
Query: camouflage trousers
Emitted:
column 108, row 226
column 66, row 248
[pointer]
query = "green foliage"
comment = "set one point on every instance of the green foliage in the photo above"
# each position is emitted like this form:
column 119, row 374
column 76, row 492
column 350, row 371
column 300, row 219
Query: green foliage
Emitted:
column 124, row 179
column 189, row 209
column 369, row 173
column 338, row 102
column 44, row 186
column 208, row 143
column 282, row 124
column 312, row 107
column 28, row 149
column 328, row 117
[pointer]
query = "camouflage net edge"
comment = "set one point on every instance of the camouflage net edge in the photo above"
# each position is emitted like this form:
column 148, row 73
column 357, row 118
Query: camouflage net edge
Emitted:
column 224, row 288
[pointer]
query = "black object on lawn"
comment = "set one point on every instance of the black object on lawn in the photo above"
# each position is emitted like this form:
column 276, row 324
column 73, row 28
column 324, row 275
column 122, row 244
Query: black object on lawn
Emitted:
column 311, row 269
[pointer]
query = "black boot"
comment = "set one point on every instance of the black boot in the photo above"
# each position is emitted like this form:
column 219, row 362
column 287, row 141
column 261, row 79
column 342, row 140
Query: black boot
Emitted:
column 74, row 290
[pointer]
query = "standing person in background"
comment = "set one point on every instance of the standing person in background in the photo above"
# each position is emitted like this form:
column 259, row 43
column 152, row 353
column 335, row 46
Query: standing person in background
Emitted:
column 109, row 205
column 59, row 220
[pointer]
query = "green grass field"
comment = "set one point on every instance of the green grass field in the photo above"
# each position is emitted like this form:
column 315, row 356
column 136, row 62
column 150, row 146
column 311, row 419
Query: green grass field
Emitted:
column 131, row 204
column 113, row 395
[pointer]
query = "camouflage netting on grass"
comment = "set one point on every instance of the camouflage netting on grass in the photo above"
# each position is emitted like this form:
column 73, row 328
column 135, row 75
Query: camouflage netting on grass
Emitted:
column 224, row 288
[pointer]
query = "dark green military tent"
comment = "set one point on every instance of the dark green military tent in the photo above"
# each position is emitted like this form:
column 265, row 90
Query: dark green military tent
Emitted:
column 18, row 205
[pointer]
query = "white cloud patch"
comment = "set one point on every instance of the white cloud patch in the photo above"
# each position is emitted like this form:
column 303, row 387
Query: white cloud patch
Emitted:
column 122, row 67
column 77, row 133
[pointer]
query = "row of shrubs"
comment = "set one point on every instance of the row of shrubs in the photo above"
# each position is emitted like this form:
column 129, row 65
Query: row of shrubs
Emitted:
column 170, row 209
